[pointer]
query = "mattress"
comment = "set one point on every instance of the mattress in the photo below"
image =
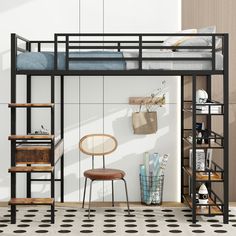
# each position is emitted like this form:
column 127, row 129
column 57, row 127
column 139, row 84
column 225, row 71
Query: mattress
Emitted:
column 45, row 61
column 175, row 65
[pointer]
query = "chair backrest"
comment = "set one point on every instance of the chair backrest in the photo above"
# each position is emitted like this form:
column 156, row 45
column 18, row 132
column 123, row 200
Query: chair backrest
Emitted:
column 98, row 144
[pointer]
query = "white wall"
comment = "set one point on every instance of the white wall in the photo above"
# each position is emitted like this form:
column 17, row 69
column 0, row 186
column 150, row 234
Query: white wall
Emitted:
column 93, row 104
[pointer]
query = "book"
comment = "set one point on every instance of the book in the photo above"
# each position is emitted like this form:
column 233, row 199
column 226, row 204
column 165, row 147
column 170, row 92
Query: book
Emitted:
column 200, row 159
column 209, row 158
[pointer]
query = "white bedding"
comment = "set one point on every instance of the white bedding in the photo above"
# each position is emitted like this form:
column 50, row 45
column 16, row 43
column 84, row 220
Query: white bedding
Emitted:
column 174, row 65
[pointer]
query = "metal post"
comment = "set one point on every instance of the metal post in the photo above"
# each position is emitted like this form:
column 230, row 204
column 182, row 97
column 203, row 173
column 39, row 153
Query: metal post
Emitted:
column 194, row 149
column 13, row 123
column 112, row 186
column 182, row 136
column 55, row 52
column 52, row 148
column 208, row 126
column 28, row 127
column 62, row 137
column 140, row 62
column 226, row 128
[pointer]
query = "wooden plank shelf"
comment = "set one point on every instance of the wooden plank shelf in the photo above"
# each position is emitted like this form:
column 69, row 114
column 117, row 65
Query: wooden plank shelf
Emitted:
column 29, row 169
column 202, row 113
column 147, row 101
column 203, row 176
column 31, row 201
column 212, row 144
column 31, row 137
column 36, row 105
column 204, row 210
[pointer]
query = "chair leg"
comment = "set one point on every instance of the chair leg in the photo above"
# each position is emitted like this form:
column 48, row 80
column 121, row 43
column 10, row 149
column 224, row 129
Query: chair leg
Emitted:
column 112, row 186
column 85, row 184
column 90, row 194
column 127, row 198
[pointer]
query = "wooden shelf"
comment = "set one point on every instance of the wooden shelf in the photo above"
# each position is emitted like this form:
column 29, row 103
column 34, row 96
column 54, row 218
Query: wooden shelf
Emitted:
column 31, row 137
column 31, row 201
column 147, row 101
column 22, row 105
column 204, row 210
column 29, row 169
column 202, row 113
column 213, row 145
column 214, row 177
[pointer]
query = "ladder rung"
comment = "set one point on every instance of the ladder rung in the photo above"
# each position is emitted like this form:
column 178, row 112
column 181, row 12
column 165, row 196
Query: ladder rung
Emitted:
column 31, row 201
column 25, row 169
column 22, row 105
column 31, row 137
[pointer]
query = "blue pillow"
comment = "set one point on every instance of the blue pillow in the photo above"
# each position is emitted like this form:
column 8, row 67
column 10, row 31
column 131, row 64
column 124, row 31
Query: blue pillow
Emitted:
column 35, row 61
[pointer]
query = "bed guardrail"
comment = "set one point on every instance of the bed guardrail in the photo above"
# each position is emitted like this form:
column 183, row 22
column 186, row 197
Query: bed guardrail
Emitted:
column 136, row 42
column 123, row 42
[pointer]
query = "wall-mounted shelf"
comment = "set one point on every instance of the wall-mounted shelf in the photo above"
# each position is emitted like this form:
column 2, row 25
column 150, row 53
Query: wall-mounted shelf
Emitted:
column 31, row 137
column 147, row 101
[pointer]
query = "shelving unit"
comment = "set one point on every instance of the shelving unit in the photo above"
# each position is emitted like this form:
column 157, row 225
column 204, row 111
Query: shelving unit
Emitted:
column 35, row 153
column 190, row 177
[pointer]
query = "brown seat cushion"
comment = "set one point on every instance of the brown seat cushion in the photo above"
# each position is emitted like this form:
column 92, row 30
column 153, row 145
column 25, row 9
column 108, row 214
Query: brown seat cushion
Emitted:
column 104, row 174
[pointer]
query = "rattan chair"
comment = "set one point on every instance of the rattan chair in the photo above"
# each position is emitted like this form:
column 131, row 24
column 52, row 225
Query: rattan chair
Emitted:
column 100, row 145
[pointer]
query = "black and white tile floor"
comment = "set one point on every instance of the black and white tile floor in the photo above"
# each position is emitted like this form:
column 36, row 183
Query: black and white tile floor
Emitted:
column 114, row 221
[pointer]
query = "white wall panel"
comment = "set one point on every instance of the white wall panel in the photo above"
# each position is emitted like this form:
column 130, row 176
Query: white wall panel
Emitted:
column 71, row 156
column 37, row 19
column 84, row 96
column 91, row 89
column 119, row 90
column 141, row 16
column 71, row 89
column 91, row 122
column 129, row 154
column 91, row 16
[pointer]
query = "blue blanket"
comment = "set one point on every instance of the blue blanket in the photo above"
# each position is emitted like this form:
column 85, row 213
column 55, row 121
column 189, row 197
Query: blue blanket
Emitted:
column 45, row 61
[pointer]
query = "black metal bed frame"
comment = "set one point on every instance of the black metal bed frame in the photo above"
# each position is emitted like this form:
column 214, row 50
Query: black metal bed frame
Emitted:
column 70, row 42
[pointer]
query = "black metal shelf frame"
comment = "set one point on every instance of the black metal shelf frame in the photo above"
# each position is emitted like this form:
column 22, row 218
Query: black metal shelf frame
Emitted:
column 223, row 205
column 14, row 143
column 119, row 42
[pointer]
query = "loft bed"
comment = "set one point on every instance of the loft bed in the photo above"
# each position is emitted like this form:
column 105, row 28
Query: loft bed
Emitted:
column 115, row 55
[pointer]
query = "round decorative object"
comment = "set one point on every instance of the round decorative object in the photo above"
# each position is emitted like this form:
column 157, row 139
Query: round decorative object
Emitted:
column 203, row 194
column 201, row 96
